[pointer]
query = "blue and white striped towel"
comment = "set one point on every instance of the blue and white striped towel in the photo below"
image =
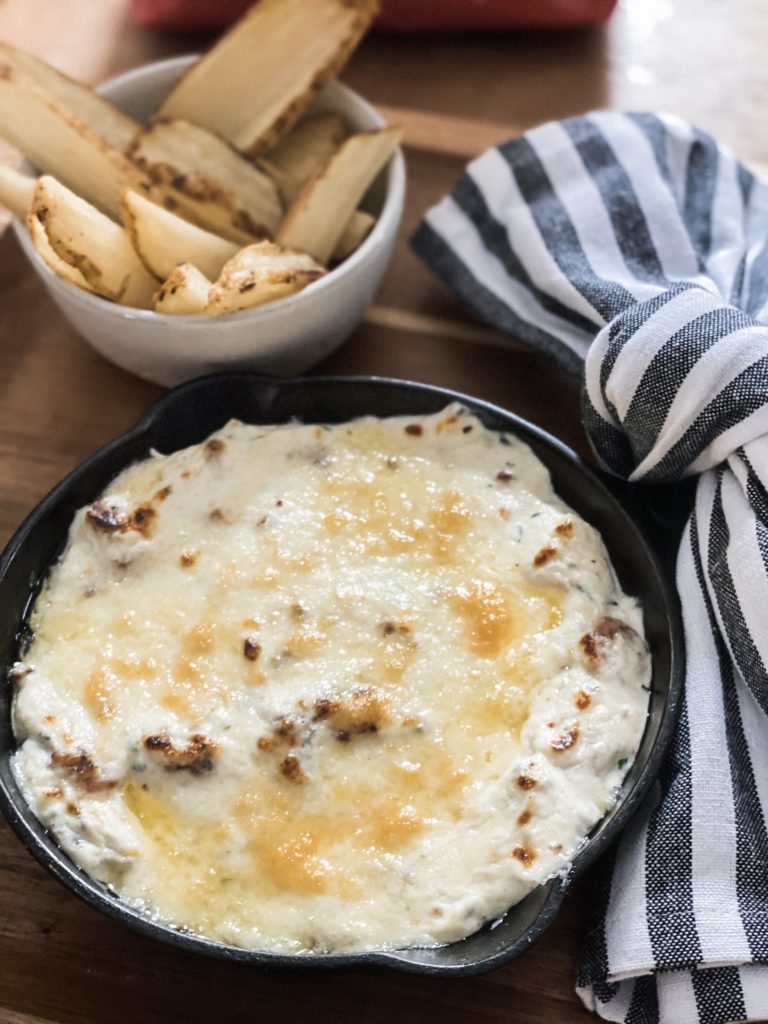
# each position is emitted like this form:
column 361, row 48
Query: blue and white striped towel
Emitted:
column 635, row 249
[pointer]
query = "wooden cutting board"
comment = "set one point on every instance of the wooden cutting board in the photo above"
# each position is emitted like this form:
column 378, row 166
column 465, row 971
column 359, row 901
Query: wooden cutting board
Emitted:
column 62, row 962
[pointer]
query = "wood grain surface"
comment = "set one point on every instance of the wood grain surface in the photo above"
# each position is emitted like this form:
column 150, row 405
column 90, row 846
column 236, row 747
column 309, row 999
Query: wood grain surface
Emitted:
column 60, row 961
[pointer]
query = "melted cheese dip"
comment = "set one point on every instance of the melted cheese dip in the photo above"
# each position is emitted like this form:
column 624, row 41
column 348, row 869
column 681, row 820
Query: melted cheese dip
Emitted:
column 300, row 688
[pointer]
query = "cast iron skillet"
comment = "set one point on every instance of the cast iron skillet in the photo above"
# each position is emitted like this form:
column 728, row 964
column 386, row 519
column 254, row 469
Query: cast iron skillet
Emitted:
column 185, row 416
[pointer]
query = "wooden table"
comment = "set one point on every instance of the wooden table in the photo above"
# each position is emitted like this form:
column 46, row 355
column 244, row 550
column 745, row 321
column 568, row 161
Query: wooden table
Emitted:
column 62, row 962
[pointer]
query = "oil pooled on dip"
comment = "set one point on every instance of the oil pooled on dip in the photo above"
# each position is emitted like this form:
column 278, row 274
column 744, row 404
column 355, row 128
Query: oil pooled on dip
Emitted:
column 306, row 688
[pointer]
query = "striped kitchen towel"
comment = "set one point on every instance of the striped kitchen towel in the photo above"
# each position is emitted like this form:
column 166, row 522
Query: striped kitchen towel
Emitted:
column 634, row 250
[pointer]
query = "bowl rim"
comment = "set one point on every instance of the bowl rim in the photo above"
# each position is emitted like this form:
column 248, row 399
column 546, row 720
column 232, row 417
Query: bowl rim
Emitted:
column 31, row 832
column 386, row 223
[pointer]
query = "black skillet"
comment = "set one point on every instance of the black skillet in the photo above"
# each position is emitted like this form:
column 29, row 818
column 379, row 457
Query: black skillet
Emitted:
column 187, row 415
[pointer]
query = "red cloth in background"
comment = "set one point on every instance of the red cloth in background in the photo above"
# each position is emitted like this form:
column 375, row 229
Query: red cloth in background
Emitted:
column 396, row 15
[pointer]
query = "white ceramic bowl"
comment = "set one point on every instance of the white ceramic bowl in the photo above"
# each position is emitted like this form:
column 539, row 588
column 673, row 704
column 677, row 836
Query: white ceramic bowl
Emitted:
column 283, row 337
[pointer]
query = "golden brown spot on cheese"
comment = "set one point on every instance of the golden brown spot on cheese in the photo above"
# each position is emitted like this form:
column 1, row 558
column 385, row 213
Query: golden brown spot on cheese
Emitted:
column 546, row 554
column 449, row 421
column 525, row 815
column 414, row 429
column 49, row 719
column 218, row 516
column 395, row 825
column 505, row 514
column 609, row 627
column 525, row 855
column 197, row 757
column 566, row 741
column 505, row 706
column 389, row 628
column 450, row 520
column 324, row 707
column 290, row 768
column 397, row 651
column 487, row 614
column 200, row 639
column 526, row 782
column 84, row 772
column 54, row 793
column 176, row 701
column 251, row 649
column 564, row 529
column 213, row 446
column 505, row 476
column 98, row 696
column 163, row 493
column 293, row 865
column 143, row 520
column 304, row 642
column 284, row 734
column 266, row 580
column 363, row 711
column 583, row 700
column 605, row 630
column 334, row 522
column 132, row 667
column 188, row 558
column 186, row 474
column 588, row 644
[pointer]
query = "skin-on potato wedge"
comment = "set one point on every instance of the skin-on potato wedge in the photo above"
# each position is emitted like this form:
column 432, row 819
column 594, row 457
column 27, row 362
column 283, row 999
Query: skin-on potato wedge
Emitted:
column 16, row 191
column 55, row 262
column 207, row 214
column 99, row 114
column 323, row 208
column 253, row 101
column 202, row 166
column 261, row 273
column 86, row 238
column 357, row 230
column 53, row 139
column 162, row 240
column 184, row 292
column 305, row 150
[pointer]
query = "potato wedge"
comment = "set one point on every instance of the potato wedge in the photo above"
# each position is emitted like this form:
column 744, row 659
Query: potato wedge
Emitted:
column 305, row 150
column 253, row 101
column 202, row 166
column 357, row 230
column 53, row 139
column 55, row 262
column 93, row 110
column 86, row 238
column 162, row 240
column 261, row 273
column 184, row 292
column 323, row 208
column 16, row 191
column 210, row 216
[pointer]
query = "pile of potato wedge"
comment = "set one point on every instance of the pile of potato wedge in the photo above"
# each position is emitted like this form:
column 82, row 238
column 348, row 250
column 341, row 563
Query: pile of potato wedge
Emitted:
column 228, row 198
